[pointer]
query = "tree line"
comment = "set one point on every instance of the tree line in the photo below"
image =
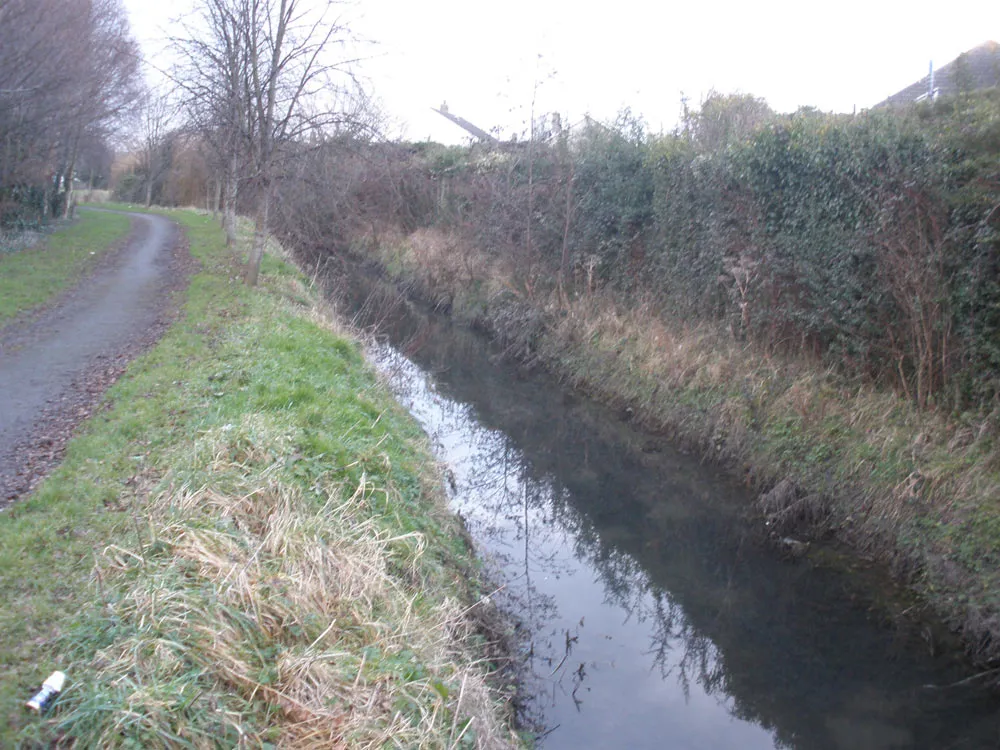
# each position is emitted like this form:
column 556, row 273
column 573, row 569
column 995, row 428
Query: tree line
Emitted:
column 69, row 71
column 253, row 86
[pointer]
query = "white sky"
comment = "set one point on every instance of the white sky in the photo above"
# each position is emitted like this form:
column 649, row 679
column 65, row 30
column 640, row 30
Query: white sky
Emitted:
column 483, row 59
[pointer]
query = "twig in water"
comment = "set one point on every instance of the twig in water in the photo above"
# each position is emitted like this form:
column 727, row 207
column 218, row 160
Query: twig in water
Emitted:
column 966, row 681
column 570, row 640
column 547, row 732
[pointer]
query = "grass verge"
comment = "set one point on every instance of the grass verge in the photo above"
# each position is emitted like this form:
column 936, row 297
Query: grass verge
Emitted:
column 31, row 277
column 919, row 490
column 249, row 547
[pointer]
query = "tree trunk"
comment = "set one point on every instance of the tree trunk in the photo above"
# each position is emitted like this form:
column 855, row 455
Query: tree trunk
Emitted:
column 531, row 184
column 229, row 216
column 70, row 168
column 149, row 192
column 259, row 237
column 69, row 203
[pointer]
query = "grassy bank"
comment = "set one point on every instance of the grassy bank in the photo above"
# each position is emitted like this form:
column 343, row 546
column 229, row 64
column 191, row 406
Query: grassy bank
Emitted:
column 916, row 489
column 33, row 276
column 249, row 547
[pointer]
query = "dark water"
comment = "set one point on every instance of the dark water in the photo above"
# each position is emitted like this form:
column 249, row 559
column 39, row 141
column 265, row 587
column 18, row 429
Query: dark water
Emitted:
column 653, row 615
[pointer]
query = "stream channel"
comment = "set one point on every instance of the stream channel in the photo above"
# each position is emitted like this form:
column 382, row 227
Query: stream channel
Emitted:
column 651, row 613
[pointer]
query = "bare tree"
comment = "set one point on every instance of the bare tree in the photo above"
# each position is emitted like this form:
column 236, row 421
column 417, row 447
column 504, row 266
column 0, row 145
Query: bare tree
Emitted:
column 154, row 141
column 108, row 87
column 213, row 80
column 290, row 62
column 259, row 80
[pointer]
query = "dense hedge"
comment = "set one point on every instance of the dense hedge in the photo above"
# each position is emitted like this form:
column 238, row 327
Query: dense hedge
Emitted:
column 869, row 242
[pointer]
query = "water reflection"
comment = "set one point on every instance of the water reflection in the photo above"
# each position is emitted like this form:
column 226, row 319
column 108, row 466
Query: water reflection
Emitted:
column 654, row 617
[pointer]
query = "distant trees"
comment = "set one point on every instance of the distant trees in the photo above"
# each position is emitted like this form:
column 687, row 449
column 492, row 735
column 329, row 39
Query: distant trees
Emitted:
column 95, row 161
column 68, row 70
column 725, row 118
column 154, row 142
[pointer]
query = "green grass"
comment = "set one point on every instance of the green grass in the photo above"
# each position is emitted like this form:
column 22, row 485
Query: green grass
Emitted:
column 249, row 543
column 32, row 277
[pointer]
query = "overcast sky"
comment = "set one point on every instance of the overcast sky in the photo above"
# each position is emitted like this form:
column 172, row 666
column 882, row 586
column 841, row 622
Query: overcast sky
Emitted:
column 488, row 59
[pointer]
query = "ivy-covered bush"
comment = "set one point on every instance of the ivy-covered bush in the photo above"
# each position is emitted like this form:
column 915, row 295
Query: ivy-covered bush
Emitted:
column 870, row 243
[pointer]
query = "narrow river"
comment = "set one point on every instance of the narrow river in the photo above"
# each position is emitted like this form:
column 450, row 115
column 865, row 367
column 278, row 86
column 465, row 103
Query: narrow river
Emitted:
column 651, row 613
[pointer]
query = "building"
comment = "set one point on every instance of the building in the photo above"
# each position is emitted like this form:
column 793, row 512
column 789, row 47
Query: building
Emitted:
column 979, row 68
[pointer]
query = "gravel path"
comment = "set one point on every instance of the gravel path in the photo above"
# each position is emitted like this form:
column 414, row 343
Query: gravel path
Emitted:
column 55, row 367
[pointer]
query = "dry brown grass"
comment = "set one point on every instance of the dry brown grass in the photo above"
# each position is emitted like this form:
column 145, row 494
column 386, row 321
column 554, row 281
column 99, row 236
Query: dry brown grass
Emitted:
column 274, row 587
column 445, row 263
column 265, row 600
column 92, row 196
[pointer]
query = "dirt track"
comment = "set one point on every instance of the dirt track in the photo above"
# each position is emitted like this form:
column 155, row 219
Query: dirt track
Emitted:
column 55, row 366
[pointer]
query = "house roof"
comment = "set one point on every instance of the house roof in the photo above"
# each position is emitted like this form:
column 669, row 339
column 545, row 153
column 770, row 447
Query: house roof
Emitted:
column 979, row 68
column 465, row 125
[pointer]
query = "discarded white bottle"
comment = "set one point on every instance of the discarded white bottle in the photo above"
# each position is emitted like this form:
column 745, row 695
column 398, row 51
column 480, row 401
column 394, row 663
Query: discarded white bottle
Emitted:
column 50, row 689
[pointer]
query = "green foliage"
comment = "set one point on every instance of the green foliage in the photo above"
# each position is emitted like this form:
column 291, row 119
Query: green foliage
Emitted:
column 868, row 243
column 22, row 206
column 613, row 194
column 129, row 188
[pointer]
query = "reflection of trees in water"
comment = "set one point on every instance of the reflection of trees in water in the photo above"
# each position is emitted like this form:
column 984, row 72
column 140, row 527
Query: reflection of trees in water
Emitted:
column 529, row 524
column 495, row 492
column 709, row 617
column 698, row 658
column 532, row 520
column 677, row 648
column 699, row 628
column 507, row 511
